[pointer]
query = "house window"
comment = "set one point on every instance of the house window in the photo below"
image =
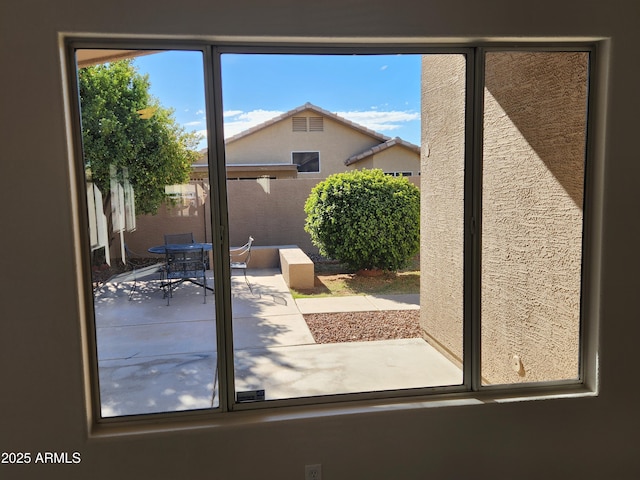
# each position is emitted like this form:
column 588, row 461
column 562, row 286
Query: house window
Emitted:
column 491, row 300
column 307, row 162
column 400, row 174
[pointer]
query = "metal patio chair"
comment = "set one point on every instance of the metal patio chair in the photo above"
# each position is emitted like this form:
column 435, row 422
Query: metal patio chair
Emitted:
column 178, row 238
column 140, row 266
column 184, row 264
column 240, row 257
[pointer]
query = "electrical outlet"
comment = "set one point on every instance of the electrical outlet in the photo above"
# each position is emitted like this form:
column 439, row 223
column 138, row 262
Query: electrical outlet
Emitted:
column 313, row 472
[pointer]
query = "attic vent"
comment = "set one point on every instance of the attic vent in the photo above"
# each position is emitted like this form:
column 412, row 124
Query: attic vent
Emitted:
column 299, row 124
column 316, row 124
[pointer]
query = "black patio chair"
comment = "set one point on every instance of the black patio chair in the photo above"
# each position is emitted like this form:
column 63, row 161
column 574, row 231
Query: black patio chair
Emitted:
column 184, row 264
column 178, row 238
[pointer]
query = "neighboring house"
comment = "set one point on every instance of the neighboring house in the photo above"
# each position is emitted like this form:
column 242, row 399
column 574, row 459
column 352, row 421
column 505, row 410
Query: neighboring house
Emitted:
column 310, row 142
column 298, row 148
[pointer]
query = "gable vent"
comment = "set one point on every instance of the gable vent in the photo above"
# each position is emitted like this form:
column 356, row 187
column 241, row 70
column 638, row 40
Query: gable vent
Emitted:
column 316, row 124
column 299, row 124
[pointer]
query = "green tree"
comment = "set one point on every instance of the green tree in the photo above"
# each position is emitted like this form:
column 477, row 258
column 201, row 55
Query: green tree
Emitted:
column 365, row 219
column 150, row 146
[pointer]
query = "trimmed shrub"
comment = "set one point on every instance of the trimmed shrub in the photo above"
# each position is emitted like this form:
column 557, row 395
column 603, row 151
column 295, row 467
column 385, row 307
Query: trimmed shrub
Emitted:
column 365, row 219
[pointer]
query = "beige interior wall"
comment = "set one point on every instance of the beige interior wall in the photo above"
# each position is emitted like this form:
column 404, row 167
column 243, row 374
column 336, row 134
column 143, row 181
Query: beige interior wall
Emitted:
column 43, row 358
column 442, row 202
column 533, row 175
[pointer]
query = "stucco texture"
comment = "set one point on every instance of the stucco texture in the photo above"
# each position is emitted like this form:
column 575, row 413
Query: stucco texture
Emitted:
column 395, row 159
column 442, row 202
column 533, row 174
column 271, row 211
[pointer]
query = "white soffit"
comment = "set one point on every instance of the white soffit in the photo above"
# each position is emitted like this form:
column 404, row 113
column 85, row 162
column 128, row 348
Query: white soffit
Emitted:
column 87, row 57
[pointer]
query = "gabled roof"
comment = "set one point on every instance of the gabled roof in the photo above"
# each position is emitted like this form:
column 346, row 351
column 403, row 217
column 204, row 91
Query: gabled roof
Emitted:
column 392, row 142
column 303, row 108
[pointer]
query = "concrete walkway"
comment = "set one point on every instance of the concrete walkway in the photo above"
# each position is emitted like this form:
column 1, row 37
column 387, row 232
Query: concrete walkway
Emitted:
column 361, row 303
column 155, row 358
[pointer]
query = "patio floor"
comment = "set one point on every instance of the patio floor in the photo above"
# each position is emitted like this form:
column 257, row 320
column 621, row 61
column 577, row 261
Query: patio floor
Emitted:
column 157, row 358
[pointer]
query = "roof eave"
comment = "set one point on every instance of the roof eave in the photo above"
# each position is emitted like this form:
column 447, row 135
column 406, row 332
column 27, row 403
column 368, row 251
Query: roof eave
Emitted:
column 302, row 108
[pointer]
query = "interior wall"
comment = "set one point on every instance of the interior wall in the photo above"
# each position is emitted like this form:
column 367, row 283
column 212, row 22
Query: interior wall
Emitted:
column 43, row 403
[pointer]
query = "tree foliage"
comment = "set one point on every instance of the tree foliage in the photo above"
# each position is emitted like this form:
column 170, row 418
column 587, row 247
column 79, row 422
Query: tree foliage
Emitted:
column 155, row 151
column 365, row 219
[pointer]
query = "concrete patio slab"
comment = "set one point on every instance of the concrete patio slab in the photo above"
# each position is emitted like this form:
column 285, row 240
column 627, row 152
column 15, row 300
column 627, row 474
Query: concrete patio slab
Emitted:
column 325, row 369
column 158, row 358
column 267, row 294
column 271, row 331
column 117, row 342
column 148, row 305
column 165, row 383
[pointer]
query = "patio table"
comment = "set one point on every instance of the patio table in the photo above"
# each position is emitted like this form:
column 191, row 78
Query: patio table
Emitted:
column 164, row 249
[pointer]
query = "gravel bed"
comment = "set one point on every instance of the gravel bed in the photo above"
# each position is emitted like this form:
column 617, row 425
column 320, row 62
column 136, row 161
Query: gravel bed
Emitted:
column 364, row 326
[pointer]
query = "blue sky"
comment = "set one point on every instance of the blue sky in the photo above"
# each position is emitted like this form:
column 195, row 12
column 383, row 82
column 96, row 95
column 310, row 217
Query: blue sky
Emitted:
column 381, row 92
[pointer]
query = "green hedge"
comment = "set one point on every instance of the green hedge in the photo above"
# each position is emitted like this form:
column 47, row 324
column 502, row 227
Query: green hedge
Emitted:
column 365, row 219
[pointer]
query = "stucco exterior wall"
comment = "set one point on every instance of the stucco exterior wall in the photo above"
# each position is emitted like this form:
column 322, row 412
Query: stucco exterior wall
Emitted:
column 257, row 172
column 269, row 210
column 442, row 202
column 272, row 212
column 275, row 143
column 396, row 159
column 533, row 174
column 150, row 229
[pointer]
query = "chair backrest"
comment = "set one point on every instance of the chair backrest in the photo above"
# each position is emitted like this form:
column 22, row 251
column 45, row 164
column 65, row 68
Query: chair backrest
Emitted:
column 178, row 238
column 241, row 255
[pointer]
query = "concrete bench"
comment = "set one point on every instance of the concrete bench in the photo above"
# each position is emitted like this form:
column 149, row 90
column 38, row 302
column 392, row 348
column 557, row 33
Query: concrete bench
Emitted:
column 297, row 268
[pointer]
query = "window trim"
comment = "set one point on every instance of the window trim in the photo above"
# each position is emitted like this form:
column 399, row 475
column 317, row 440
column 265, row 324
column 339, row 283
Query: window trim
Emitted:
column 470, row 391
